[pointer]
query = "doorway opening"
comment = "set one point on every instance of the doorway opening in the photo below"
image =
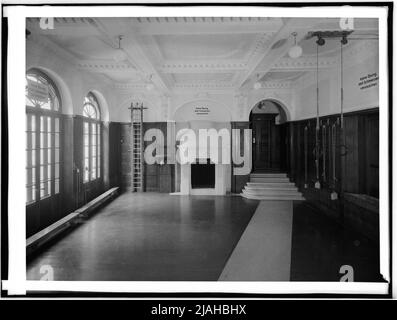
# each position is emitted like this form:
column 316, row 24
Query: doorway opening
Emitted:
column 268, row 122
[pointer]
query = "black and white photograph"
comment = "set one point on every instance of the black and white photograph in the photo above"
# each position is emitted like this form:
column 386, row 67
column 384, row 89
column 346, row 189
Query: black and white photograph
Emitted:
column 221, row 149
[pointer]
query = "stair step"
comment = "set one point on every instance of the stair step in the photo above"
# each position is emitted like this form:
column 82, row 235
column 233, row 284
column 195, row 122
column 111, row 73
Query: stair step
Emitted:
column 270, row 192
column 271, row 186
column 264, row 189
column 268, row 175
column 277, row 183
column 261, row 179
column 272, row 197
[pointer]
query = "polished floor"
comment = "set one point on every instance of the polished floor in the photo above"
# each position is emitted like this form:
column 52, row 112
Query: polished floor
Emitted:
column 151, row 236
column 154, row 236
column 320, row 247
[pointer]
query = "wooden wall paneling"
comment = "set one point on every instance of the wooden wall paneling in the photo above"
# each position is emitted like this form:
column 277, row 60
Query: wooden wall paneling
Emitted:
column 115, row 154
column 238, row 182
column 78, row 160
column 372, row 155
column 125, row 156
column 105, row 156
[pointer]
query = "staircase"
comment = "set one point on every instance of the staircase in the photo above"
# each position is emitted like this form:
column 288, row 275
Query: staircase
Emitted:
column 271, row 186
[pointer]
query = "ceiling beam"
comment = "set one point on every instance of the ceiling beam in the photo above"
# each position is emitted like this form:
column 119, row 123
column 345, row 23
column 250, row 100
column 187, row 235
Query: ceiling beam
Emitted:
column 269, row 56
column 133, row 47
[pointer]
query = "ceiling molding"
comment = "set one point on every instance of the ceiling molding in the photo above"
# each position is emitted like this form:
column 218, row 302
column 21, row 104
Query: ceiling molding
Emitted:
column 204, row 25
column 301, row 64
column 202, row 66
column 104, row 65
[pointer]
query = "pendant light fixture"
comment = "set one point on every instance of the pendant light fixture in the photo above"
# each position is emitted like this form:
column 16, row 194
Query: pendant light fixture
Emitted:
column 296, row 50
column 119, row 55
column 149, row 84
column 257, row 84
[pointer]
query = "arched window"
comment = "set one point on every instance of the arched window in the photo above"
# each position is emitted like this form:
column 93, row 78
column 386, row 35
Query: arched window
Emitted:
column 92, row 139
column 43, row 160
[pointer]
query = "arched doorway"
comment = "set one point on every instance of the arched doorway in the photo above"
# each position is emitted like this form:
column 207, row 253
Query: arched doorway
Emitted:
column 269, row 129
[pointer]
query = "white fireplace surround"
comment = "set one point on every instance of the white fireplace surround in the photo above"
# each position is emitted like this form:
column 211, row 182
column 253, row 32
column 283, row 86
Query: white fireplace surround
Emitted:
column 222, row 171
column 220, row 181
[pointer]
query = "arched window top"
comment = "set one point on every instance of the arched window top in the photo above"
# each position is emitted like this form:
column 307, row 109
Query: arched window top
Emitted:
column 91, row 107
column 41, row 92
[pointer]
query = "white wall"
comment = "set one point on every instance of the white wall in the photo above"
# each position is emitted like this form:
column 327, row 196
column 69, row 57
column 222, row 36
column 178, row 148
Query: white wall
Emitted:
column 359, row 61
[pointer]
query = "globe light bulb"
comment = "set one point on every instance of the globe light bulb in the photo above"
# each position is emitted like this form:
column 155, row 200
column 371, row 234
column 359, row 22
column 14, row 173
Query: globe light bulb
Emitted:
column 149, row 86
column 257, row 85
column 119, row 55
column 295, row 52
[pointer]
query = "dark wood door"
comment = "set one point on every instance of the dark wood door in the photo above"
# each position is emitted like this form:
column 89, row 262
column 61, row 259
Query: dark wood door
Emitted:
column 266, row 142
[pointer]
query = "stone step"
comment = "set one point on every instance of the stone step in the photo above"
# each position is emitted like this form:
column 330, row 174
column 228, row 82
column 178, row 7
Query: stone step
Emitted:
column 270, row 179
column 270, row 191
column 266, row 189
column 268, row 175
column 273, row 197
column 271, row 184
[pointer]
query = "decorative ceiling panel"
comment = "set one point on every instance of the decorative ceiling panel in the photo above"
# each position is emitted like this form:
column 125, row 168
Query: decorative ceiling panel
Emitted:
column 204, row 47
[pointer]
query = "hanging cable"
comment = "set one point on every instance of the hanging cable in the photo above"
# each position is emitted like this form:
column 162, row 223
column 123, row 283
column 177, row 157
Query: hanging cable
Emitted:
column 341, row 85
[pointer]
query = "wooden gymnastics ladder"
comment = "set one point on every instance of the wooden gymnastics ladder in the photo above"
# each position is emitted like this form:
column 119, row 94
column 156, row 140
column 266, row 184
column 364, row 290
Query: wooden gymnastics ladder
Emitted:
column 137, row 165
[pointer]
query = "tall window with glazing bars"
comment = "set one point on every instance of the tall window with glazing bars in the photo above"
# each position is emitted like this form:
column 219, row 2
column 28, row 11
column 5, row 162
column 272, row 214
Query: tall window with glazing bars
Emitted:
column 92, row 139
column 43, row 161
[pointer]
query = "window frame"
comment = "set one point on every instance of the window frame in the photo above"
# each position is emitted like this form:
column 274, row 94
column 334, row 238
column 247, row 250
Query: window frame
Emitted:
column 89, row 123
column 37, row 144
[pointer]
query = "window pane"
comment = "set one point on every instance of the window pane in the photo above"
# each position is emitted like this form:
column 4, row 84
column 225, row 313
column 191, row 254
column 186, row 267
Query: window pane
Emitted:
column 28, row 176
column 86, row 169
column 28, row 158
column 29, row 194
column 56, row 170
column 33, row 159
column 33, row 123
column 56, row 186
column 56, row 136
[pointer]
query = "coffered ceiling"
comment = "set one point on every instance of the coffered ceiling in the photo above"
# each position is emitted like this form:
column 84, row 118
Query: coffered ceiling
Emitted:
column 183, row 53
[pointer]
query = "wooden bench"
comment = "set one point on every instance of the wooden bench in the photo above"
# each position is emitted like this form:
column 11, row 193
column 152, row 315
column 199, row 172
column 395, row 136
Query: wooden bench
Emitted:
column 38, row 239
